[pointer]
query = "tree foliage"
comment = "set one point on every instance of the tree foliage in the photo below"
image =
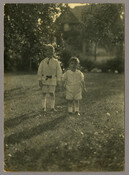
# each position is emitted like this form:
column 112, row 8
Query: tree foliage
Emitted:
column 105, row 25
column 26, row 28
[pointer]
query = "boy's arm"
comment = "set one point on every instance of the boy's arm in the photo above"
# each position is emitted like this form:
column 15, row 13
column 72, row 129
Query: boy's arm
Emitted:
column 64, row 79
column 83, row 83
column 59, row 74
column 40, row 72
column 84, row 86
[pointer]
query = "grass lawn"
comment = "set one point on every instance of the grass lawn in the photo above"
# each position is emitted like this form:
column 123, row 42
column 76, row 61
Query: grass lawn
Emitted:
column 57, row 142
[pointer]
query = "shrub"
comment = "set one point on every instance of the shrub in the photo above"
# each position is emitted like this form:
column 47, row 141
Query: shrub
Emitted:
column 112, row 65
column 65, row 56
column 87, row 64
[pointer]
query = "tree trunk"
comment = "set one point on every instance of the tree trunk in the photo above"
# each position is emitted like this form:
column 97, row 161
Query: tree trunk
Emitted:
column 30, row 65
column 84, row 48
column 120, row 51
column 95, row 48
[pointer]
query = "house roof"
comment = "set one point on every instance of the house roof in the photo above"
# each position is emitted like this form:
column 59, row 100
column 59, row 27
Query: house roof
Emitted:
column 67, row 17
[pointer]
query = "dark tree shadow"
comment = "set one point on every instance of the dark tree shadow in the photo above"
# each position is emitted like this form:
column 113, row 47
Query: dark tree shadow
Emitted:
column 28, row 133
column 11, row 123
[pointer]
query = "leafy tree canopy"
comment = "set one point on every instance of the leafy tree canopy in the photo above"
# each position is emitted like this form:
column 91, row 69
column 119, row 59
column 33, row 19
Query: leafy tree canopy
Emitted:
column 27, row 27
column 104, row 23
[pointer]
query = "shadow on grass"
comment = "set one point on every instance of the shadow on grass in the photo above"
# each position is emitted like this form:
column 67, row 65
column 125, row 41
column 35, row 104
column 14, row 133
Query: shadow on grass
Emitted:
column 27, row 134
column 11, row 123
column 20, row 92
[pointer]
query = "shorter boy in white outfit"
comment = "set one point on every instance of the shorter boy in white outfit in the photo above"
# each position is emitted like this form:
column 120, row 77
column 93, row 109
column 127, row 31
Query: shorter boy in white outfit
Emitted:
column 74, row 84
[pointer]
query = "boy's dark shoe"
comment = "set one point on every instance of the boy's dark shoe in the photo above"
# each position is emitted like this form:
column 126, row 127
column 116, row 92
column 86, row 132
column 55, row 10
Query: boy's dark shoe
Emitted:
column 70, row 113
column 53, row 110
column 43, row 109
column 77, row 113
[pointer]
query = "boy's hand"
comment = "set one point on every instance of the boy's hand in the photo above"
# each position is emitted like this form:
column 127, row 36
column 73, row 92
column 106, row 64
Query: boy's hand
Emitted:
column 59, row 83
column 40, row 83
column 84, row 91
column 59, row 86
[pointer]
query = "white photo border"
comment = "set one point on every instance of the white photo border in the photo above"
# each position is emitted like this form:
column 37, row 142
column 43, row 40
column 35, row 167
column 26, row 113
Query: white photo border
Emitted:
column 126, row 2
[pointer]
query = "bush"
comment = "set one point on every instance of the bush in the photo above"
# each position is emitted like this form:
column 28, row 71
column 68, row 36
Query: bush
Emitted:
column 87, row 64
column 65, row 56
column 112, row 65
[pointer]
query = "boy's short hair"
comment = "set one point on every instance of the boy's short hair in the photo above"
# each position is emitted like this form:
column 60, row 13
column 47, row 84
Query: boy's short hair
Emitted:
column 49, row 46
column 74, row 59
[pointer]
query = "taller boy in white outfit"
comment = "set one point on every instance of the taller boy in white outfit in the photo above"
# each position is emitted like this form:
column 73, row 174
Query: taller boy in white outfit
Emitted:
column 49, row 74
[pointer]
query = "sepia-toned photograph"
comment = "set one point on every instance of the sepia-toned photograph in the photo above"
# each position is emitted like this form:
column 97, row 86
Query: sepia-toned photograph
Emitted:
column 64, row 86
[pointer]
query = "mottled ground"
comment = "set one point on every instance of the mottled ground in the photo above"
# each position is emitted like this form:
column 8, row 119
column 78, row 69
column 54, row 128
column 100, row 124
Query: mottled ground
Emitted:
column 35, row 141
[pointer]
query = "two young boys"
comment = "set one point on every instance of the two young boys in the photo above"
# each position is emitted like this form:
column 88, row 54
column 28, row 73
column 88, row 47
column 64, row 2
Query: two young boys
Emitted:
column 50, row 74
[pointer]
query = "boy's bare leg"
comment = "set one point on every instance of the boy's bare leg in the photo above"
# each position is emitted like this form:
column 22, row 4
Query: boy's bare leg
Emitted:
column 44, row 101
column 52, row 101
column 76, row 107
column 70, row 106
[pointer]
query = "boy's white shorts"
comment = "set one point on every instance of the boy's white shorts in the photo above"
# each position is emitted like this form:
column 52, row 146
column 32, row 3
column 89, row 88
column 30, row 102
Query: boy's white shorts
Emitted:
column 73, row 93
column 48, row 88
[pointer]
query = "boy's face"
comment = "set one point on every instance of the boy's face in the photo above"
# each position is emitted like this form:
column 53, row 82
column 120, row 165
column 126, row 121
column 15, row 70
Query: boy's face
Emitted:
column 73, row 65
column 50, row 52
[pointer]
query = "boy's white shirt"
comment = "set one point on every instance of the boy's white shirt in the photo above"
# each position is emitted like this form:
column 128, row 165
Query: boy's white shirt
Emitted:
column 73, row 78
column 52, row 69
